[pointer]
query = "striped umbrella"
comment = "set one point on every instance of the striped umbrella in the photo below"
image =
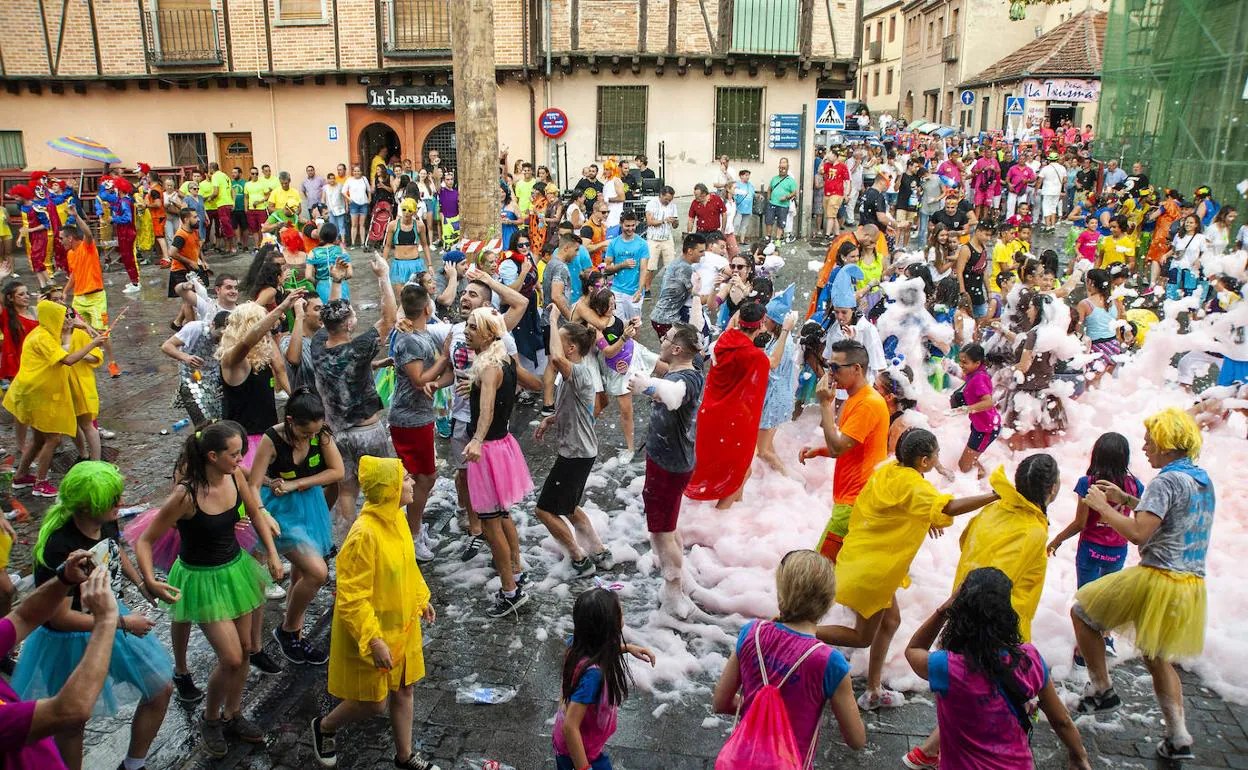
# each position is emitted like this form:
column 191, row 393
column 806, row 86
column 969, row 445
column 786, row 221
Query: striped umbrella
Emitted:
column 84, row 147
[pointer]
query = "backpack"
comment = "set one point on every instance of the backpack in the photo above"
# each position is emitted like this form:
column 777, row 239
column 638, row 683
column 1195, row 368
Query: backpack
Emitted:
column 764, row 739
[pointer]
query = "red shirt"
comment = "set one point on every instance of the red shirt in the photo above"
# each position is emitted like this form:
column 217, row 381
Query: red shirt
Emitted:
column 11, row 347
column 835, row 175
column 708, row 216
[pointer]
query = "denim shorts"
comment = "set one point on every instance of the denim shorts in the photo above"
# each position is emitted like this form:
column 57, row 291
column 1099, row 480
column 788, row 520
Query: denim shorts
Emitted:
column 1094, row 561
column 358, row 209
column 979, row 311
column 777, row 216
column 981, row 440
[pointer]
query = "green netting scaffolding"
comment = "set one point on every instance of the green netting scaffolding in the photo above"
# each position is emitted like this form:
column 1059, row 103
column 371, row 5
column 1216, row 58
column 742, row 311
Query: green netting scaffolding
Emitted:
column 1174, row 91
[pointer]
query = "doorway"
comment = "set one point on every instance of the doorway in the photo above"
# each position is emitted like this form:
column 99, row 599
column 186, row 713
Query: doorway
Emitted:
column 378, row 136
column 442, row 139
column 235, row 150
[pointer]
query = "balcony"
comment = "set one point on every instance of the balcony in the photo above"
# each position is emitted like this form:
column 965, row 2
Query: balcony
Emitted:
column 765, row 27
column 949, row 48
column 874, row 53
column 183, row 37
column 417, row 28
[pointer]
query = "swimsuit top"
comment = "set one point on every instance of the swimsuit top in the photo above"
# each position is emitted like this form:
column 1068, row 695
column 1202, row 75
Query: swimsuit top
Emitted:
column 404, row 237
column 208, row 539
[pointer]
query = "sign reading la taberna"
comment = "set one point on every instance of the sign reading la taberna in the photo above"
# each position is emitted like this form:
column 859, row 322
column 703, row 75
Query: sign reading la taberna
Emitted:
column 1062, row 90
column 411, row 97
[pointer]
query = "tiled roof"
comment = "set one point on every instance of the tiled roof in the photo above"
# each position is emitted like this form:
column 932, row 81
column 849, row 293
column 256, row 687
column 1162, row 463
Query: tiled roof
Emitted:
column 1072, row 48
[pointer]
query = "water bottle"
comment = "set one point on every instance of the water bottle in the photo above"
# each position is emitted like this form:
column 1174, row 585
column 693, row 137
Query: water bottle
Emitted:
column 487, row 695
column 180, row 424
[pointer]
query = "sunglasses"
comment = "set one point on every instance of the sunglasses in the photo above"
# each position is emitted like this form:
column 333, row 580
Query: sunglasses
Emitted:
column 740, row 267
column 522, row 245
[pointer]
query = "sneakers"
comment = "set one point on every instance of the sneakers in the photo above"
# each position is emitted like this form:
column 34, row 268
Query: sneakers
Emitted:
column 1098, row 703
column 240, row 728
column 884, row 699
column 44, row 488
column 1167, row 750
column 430, row 539
column 423, row 552
column 105, row 433
column 626, row 456
column 604, row 559
column 522, row 579
column 274, row 593
column 315, row 656
column 916, row 759
column 1080, row 662
column 415, row 762
column 296, row 649
column 134, row 288
column 471, row 548
column 114, row 370
column 22, row 482
column 548, row 410
column 1109, row 647
column 212, row 733
column 261, row 662
column 504, row 604
column 323, row 745
column 185, row 690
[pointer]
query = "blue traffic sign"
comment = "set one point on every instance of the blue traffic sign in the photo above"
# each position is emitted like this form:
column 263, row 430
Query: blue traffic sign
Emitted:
column 968, row 97
column 830, row 113
column 784, row 132
column 1015, row 105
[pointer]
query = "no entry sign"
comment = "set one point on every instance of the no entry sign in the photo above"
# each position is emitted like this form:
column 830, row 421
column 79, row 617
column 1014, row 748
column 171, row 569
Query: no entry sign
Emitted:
column 553, row 123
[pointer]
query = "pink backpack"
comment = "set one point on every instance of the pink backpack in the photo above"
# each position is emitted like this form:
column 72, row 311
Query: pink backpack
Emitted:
column 764, row 739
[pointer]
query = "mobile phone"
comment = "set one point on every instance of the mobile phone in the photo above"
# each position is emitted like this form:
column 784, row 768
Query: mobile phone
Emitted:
column 100, row 553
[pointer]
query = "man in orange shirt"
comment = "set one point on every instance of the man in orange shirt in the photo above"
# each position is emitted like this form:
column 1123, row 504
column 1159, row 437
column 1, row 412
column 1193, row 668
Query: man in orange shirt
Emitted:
column 857, row 438
column 184, row 257
column 84, row 291
column 863, row 235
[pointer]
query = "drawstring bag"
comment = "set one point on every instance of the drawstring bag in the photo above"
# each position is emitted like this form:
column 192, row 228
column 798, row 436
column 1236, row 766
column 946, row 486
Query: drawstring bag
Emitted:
column 764, row 739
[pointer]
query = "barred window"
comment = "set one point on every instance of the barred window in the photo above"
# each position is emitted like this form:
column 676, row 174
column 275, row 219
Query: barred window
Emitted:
column 188, row 149
column 622, row 120
column 739, row 123
column 12, row 151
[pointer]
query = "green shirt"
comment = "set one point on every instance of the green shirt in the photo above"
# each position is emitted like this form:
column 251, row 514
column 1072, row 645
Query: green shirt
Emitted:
column 780, row 187
column 524, row 195
column 257, row 194
column 270, row 184
column 239, row 188
column 224, row 191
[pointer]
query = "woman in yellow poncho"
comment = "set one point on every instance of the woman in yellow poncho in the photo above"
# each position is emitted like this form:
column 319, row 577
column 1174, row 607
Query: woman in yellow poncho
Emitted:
column 41, row 398
column 82, row 390
column 375, row 645
column 892, row 514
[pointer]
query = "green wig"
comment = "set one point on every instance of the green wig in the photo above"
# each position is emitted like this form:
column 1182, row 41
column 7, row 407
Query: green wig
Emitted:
column 90, row 487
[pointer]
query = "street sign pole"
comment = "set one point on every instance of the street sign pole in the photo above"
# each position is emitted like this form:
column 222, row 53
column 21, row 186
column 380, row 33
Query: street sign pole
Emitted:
column 801, row 195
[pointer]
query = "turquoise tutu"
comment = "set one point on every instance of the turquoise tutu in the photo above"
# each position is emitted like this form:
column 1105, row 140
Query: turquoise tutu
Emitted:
column 304, row 519
column 139, row 670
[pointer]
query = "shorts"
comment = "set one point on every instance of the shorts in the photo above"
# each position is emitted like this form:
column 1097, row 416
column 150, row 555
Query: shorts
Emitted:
column 359, row 440
column 93, row 308
column 1048, row 205
column 239, row 219
column 662, row 495
column 358, row 209
column 256, row 219
column 565, row 486
column 981, row 440
column 601, row 762
column 777, row 216
column 660, row 330
column 663, row 251
column 459, row 440
column 979, row 311
column 903, row 216
column 833, row 536
column 225, row 227
column 832, row 204
column 414, row 446
column 176, row 278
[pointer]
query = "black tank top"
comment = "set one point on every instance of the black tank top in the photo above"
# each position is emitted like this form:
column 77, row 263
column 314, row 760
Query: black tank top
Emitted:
column 208, row 539
column 251, row 404
column 284, row 466
column 404, row 237
column 973, row 276
column 504, row 400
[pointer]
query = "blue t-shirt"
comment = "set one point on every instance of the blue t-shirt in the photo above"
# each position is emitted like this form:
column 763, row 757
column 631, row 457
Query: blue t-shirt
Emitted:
column 628, row 280
column 580, row 263
column 744, row 198
column 320, row 259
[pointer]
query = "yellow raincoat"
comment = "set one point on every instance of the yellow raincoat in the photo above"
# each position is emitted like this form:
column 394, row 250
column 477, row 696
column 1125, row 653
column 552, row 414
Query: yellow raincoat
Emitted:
column 381, row 593
column 1010, row 535
column 890, row 519
column 40, row 395
column 82, row 388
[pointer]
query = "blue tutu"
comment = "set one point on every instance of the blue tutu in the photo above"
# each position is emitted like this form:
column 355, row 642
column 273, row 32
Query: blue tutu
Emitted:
column 1232, row 372
column 402, row 270
column 304, row 519
column 139, row 670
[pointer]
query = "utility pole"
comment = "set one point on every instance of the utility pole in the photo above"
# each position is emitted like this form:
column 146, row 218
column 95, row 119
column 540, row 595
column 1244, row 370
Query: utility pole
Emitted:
column 476, row 117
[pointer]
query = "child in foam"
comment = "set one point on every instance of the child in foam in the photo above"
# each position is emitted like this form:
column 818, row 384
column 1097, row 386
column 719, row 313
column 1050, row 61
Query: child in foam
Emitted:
column 975, row 396
column 1160, row 601
column 891, row 516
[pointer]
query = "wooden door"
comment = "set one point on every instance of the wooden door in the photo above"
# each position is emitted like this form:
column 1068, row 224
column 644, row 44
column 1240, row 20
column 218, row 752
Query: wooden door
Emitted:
column 234, row 150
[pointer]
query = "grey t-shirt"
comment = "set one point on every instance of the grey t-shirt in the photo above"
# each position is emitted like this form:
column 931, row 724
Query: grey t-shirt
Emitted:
column 411, row 408
column 1186, row 511
column 300, row 376
column 574, row 412
column 344, row 378
column 677, row 290
column 669, row 440
column 558, row 270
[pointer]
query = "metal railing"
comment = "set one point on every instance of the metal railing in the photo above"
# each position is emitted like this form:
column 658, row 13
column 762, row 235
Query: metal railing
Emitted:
column 183, row 36
column 949, row 48
column 417, row 27
column 875, row 51
column 765, row 27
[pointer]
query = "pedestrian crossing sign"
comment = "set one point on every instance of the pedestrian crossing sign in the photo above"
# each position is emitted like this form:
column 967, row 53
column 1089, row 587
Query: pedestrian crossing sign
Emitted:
column 1014, row 105
column 829, row 113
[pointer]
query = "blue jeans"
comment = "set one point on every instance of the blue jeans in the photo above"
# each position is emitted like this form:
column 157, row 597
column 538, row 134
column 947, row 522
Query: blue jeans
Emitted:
column 563, row 762
column 922, row 234
column 343, row 223
column 1094, row 561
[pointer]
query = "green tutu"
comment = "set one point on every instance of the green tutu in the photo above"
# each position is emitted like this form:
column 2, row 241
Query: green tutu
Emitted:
column 224, row 592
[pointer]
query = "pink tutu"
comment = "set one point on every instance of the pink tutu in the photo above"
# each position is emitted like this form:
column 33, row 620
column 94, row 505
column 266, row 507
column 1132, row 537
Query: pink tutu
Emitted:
column 165, row 550
column 501, row 478
column 250, row 453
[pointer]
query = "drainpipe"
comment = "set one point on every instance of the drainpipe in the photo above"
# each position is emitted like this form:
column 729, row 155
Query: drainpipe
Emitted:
column 858, row 9
column 528, row 81
column 552, row 160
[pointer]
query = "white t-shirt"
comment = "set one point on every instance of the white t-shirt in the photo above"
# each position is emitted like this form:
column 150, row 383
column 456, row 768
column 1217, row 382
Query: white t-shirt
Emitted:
column 1051, row 178
column 657, row 210
column 191, row 331
column 357, row 190
column 614, row 210
column 706, row 269
column 730, row 213
column 335, row 199
column 461, row 361
column 1190, row 248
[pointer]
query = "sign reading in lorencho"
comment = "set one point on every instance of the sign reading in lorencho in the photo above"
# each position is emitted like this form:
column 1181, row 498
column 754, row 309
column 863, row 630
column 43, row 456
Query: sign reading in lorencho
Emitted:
column 411, row 97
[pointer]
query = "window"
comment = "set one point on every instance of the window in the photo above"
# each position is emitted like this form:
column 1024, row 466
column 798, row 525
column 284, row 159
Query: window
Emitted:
column 889, row 88
column 875, row 91
column 879, row 30
column 931, row 34
column 12, row 152
column 892, row 28
column 765, row 26
column 739, row 123
column 188, row 149
column 300, row 12
column 621, row 120
column 866, row 34
column 865, row 83
column 953, row 23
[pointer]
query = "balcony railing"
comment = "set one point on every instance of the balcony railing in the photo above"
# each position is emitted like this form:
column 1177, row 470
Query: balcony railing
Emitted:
column 765, row 27
column 418, row 28
column 183, row 37
column 949, row 48
column 874, row 51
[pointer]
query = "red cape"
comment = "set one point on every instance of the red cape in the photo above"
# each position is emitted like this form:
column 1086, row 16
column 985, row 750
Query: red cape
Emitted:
column 732, row 405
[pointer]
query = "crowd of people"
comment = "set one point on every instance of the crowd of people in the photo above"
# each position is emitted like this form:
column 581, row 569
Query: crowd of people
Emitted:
column 930, row 283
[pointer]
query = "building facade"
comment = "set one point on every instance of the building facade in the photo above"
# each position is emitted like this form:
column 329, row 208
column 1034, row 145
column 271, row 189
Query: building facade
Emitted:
column 321, row 82
column 879, row 69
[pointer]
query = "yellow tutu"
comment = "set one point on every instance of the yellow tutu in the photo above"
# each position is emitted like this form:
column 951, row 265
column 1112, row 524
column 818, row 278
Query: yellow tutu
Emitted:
column 1163, row 611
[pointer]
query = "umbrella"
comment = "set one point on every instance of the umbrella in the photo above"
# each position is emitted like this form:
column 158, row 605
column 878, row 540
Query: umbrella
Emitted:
column 84, row 147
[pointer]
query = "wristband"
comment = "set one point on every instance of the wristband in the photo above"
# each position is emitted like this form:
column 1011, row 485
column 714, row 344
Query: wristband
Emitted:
column 60, row 574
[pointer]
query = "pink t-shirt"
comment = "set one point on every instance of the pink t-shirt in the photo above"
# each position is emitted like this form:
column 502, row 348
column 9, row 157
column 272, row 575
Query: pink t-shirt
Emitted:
column 1098, row 532
column 978, row 729
column 15, row 718
column 978, row 385
column 1085, row 244
column 598, row 724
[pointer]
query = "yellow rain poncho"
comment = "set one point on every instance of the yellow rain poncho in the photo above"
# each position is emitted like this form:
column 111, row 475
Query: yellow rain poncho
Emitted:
column 82, row 387
column 1010, row 535
column 891, row 517
column 40, row 395
column 381, row 593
